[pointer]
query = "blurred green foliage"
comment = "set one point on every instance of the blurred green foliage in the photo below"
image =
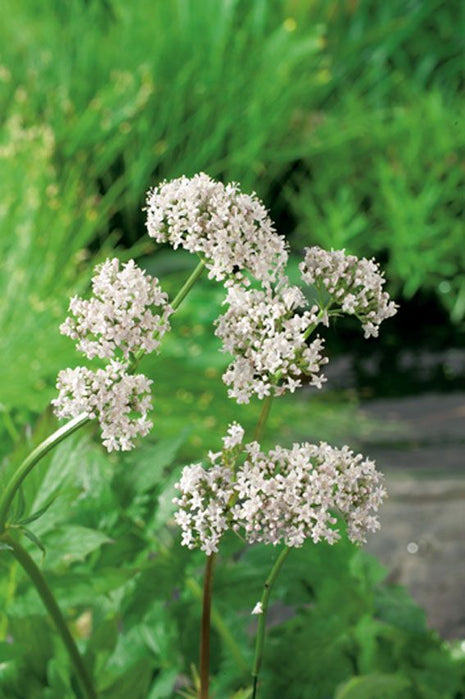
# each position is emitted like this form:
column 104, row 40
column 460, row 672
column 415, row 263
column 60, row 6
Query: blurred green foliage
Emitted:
column 345, row 116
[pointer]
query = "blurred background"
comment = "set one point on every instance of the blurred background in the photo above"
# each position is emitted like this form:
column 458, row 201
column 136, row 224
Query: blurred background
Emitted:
column 346, row 118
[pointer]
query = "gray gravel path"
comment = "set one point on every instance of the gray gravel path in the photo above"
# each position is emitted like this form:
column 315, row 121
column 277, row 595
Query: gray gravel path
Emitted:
column 421, row 449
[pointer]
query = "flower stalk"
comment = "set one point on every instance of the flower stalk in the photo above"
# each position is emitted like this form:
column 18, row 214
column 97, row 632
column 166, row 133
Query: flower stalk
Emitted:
column 263, row 419
column 260, row 639
column 205, row 629
column 41, row 585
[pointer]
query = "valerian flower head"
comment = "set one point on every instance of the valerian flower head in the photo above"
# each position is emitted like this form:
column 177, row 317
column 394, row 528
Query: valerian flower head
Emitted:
column 119, row 400
column 290, row 495
column 283, row 496
column 266, row 330
column 231, row 230
column 354, row 285
column 127, row 312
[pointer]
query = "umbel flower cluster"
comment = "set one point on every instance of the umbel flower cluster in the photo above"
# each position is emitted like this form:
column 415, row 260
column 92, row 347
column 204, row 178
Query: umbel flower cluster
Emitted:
column 283, row 496
column 113, row 396
column 127, row 314
column 231, row 230
column 120, row 315
column 266, row 331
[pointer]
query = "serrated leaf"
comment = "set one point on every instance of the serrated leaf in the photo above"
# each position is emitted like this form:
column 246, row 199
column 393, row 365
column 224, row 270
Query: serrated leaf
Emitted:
column 375, row 686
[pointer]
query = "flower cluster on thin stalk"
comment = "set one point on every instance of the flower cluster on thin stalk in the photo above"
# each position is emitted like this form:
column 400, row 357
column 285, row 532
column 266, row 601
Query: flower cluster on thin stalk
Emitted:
column 283, row 496
column 120, row 315
column 128, row 313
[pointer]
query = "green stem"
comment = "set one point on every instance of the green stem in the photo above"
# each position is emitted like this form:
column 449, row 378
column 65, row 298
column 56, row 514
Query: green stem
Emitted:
column 30, row 461
column 178, row 299
column 53, row 609
column 205, row 632
column 184, row 290
column 260, row 640
column 262, row 420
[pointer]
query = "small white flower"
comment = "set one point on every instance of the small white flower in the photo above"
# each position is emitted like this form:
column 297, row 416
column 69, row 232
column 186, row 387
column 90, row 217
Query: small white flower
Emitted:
column 258, row 609
column 234, row 437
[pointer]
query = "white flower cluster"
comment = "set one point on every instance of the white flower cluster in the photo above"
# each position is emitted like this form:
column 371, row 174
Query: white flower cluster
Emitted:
column 290, row 495
column 127, row 313
column 119, row 316
column 231, row 230
column 266, row 330
column 285, row 496
column 111, row 395
column 355, row 285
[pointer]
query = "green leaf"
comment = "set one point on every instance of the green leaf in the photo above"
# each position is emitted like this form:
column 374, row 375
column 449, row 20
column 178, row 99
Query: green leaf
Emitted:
column 394, row 605
column 35, row 539
column 36, row 515
column 72, row 543
column 8, row 651
column 375, row 686
column 165, row 501
column 163, row 686
column 147, row 469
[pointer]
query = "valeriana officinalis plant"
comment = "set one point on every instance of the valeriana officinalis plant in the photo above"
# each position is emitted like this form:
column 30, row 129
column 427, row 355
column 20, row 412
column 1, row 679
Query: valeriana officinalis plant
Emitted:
column 280, row 497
